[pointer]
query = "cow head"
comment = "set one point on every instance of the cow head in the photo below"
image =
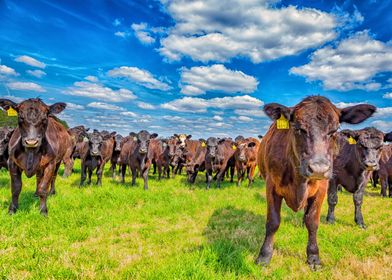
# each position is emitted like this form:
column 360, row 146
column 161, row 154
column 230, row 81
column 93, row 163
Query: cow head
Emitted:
column 172, row 145
column 313, row 124
column 5, row 135
column 212, row 147
column 95, row 143
column 181, row 139
column 369, row 142
column 143, row 140
column 79, row 132
column 32, row 119
column 242, row 149
column 118, row 139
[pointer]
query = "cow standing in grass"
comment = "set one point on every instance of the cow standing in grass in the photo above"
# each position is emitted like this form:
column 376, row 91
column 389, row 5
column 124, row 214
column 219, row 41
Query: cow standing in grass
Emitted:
column 297, row 163
column 5, row 135
column 220, row 152
column 139, row 160
column 37, row 147
column 385, row 171
column 116, row 154
column 94, row 155
column 246, row 158
column 353, row 167
column 197, row 162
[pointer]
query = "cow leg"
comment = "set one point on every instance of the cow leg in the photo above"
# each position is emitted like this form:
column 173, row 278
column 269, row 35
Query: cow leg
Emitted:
column 145, row 178
column 240, row 175
column 90, row 173
column 52, row 184
column 332, row 201
column 209, row 178
column 123, row 170
column 43, row 187
column 83, row 174
column 159, row 170
column 112, row 169
column 100, row 172
column 312, row 220
column 251, row 174
column 390, row 187
column 220, row 176
column 133, row 175
column 384, row 185
column 231, row 174
column 274, row 203
column 180, row 170
column 16, row 186
column 358, row 199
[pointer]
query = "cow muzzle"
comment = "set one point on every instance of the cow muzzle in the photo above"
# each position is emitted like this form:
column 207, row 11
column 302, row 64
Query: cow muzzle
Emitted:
column 371, row 165
column 143, row 151
column 318, row 169
column 31, row 143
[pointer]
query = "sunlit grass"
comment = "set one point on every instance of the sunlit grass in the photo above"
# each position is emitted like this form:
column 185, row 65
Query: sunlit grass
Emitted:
column 174, row 232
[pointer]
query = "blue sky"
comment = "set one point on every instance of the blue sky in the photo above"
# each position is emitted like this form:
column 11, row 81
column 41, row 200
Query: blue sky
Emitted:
column 199, row 67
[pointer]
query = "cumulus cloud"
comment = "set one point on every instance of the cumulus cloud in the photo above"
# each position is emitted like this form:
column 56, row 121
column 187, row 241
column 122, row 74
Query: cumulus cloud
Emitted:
column 73, row 106
column 98, row 91
column 387, row 95
column 200, row 105
column 217, row 118
column 352, row 64
column 36, row 73
column 142, row 33
column 121, row 34
column 258, row 113
column 140, row 76
column 199, row 80
column 104, row 106
column 25, row 86
column 129, row 114
column 117, row 22
column 218, row 30
column 382, row 125
column 146, row 106
column 5, row 70
column 244, row 119
column 90, row 78
column 30, row 61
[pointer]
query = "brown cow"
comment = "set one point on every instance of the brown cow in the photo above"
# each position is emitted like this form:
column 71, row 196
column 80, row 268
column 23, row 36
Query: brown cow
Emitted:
column 36, row 147
column 220, row 152
column 296, row 163
column 116, row 154
column 246, row 158
column 385, row 171
column 127, row 146
column 354, row 165
column 5, row 135
column 197, row 162
column 159, row 155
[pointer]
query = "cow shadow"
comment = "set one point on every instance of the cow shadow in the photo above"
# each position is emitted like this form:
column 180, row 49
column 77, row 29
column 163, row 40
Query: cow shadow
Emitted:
column 232, row 235
column 27, row 201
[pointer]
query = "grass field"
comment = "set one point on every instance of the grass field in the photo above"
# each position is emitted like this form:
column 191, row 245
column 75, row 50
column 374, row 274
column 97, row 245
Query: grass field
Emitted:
column 174, row 232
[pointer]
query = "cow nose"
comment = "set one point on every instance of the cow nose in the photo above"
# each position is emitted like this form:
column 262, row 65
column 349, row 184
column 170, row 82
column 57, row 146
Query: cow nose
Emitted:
column 31, row 143
column 318, row 167
column 242, row 159
column 171, row 154
column 143, row 151
column 371, row 164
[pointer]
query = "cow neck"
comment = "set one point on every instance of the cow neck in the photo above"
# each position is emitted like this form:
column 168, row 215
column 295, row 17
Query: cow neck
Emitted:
column 355, row 162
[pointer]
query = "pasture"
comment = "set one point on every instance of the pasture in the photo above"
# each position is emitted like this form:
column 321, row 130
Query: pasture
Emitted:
column 173, row 231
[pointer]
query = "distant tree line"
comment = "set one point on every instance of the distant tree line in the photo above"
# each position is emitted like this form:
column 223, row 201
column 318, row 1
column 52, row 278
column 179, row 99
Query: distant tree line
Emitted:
column 6, row 120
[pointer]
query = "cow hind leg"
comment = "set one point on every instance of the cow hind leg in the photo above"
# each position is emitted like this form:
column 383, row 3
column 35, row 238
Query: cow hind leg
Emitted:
column 274, row 203
column 83, row 174
column 332, row 201
column 384, row 185
column 123, row 170
column 52, row 184
column 16, row 187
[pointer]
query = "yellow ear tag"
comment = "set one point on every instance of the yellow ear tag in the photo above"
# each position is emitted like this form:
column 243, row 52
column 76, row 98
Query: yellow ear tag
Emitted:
column 203, row 144
column 11, row 112
column 282, row 123
column 351, row 140
column 234, row 147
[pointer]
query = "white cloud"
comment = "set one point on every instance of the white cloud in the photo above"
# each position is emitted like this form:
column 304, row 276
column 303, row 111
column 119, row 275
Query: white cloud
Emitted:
column 104, row 106
column 200, row 105
column 382, row 125
column 73, row 106
column 25, row 86
column 36, row 73
column 258, row 113
column 98, row 91
column 342, row 105
column 90, row 78
column 383, row 111
column 117, row 22
column 387, row 95
column 129, row 114
column 30, row 61
column 218, row 30
column 140, row 76
column 5, row 70
column 121, row 34
column 142, row 33
column 146, row 106
column 243, row 119
column 352, row 64
column 199, row 80
column 13, row 98
column 217, row 118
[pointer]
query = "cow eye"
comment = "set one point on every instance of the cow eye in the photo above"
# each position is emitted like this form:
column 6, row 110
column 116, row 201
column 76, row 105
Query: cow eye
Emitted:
column 301, row 130
column 332, row 132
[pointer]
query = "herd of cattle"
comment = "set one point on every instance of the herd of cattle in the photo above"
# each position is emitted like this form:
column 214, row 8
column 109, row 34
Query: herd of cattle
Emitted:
column 301, row 162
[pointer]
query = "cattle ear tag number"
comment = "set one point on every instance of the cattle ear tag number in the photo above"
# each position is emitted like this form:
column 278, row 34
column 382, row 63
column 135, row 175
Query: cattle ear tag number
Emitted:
column 351, row 140
column 234, row 147
column 203, row 144
column 11, row 112
column 282, row 123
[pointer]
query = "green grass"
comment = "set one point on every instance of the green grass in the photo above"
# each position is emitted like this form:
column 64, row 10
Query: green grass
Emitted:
column 174, row 232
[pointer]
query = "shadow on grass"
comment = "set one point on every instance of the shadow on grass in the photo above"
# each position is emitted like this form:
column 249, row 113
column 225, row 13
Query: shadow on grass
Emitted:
column 232, row 234
column 26, row 201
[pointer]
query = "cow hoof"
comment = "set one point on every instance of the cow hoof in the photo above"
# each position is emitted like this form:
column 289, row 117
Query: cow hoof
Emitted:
column 35, row 194
column 44, row 213
column 52, row 192
column 263, row 260
column 12, row 209
column 314, row 262
column 362, row 226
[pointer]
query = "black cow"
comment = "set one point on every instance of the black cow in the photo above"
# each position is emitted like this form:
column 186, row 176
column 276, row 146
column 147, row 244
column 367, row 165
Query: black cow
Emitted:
column 5, row 135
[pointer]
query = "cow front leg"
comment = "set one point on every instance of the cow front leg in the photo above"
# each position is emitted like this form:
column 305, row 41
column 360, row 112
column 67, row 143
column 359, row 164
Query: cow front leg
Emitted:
column 134, row 173
column 251, row 172
column 123, row 170
column 209, row 178
column 100, row 169
column 274, row 203
column 332, row 201
column 16, row 187
column 83, row 174
column 384, row 185
column 145, row 178
column 43, row 187
column 112, row 169
column 358, row 199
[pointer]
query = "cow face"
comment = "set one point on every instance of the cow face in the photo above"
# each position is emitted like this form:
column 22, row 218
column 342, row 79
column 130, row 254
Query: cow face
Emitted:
column 369, row 142
column 212, row 147
column 32, row 119
column 178, row 155
column 181, row 139
column 313, row 124
column 79, row 132
column 118, row 139
column 172, row 145
column 242, row 150
column 95, row 143
column 143, row 140
column 5, row 135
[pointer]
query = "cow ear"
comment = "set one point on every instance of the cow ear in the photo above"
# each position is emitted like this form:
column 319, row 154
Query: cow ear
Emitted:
column 251, row 144
column 189, row 137
column 6, row 104
column 260, row 136
column 388, row 137
column 356, row 114
column 275, row 110
column 113, row 133
column 220, row 141
column 132, row 134
column 153, row 136
column 57, row 108
column 175, row 135
column 202, row 140
column 87, row 129
column 350, row 133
